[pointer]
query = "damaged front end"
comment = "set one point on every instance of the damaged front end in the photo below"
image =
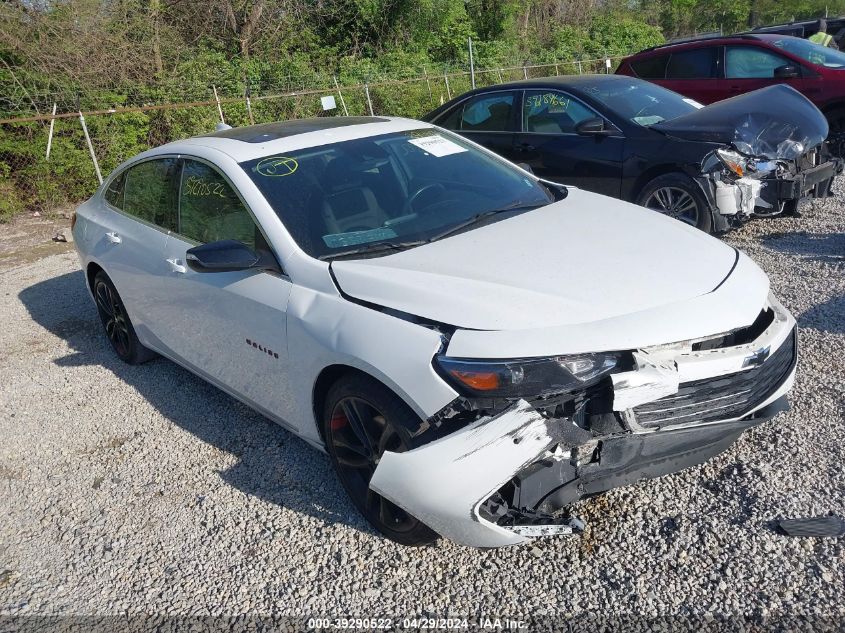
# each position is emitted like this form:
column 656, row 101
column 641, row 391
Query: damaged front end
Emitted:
column 513, row 466
column 775, row 152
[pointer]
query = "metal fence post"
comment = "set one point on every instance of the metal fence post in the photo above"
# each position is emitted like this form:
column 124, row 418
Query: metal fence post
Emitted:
column 369, row 101
column 471, row 64
column 91, row 148
column 340, row 94
column 249, row 106
column 219, row 107
column 50, row 135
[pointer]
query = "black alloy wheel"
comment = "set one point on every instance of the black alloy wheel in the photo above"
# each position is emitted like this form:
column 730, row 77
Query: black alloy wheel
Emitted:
column 363, row 419
column 116, row 322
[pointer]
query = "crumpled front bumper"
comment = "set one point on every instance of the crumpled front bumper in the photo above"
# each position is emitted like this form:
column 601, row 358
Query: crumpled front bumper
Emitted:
column 812, row 182
column 545, row 461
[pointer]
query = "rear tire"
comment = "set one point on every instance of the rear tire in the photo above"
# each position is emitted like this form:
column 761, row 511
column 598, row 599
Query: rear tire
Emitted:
column 677, row 196
column 361, row 420
column 116, row 323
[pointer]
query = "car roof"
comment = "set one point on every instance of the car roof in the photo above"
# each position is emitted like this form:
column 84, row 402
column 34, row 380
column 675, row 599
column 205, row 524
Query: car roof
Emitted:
column 256, row 141
column 694, row 42
column 561, row 81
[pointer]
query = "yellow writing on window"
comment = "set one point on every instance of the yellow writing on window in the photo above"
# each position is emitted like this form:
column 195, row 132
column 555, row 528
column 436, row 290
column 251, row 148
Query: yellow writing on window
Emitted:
column 200, row 187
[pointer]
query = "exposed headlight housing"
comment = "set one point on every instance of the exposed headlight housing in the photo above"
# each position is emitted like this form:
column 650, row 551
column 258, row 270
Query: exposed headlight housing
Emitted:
column 515, row 378
column 734, row 161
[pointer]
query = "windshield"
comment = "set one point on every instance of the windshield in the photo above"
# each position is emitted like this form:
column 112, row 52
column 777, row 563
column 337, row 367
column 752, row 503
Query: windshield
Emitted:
column 641, row 102
column 396, row 190
column 811, row 52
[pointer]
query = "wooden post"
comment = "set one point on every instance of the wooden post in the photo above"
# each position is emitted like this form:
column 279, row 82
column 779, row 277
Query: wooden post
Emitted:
column 448, row 89
column 557, row 70
column 580, row 70
column 525, row 72
column 219, row 107
column 91, row 148
column 369, row 102
column 50, row 135
column 340, row 94
column 500, row 75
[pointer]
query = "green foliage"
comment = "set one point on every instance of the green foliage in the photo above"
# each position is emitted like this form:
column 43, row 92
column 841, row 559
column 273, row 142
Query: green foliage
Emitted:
column 128, row 53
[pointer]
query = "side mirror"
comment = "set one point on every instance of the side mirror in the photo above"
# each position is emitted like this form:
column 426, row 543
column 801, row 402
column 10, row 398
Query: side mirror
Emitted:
column 592, row 127
column 787, row 71
column 227, row 256
column 526, row 167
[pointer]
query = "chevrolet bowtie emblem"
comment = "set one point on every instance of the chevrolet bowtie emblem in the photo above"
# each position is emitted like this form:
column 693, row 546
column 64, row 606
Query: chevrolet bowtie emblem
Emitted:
column 757, row 358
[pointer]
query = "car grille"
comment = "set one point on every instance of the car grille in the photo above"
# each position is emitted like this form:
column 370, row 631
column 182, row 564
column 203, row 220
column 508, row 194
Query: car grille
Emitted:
column 723, row 397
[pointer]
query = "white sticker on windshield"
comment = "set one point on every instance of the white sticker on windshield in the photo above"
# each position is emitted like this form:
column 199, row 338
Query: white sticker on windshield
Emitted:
column 437, row 146
column 694, row 103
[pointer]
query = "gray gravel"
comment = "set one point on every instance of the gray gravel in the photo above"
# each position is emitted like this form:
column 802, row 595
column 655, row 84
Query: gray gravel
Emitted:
column 145, row 490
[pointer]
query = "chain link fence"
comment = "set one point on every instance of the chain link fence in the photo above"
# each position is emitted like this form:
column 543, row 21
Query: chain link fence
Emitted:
column 52, row 157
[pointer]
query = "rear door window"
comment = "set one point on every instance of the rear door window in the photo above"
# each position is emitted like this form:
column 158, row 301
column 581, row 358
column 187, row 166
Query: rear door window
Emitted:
column 210, row 210
column 651, row 67
column 150, row 192
column 752, row 62
column 553, row 112
column 486, row 113
column 697, row 63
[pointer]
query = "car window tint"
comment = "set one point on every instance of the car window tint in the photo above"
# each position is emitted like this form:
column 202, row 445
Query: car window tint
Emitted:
column 452, row 120
column 209, row 209
column 114, row 191
column 651, row 68
column 698, row 63
column 751, row 62
column 552, row 112
column 149, row 192
column 488, row 113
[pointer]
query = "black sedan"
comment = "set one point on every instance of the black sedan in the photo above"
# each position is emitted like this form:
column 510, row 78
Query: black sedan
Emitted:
column 713, row 167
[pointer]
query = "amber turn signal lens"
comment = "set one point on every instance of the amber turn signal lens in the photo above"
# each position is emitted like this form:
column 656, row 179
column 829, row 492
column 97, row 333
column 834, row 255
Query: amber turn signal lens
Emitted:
column 480, row 381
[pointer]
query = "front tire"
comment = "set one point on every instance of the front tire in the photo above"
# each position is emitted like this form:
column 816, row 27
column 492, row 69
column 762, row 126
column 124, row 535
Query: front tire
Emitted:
column 677, row 196
column 116, row 322
column 836, row 134
column 361, row 420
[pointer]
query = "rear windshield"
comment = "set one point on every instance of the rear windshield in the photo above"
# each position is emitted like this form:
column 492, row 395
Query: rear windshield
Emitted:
column 641, row 102
column 812, row 52
column 399, row 188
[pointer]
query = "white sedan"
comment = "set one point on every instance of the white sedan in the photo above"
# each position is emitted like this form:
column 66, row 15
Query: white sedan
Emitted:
column 474, row 348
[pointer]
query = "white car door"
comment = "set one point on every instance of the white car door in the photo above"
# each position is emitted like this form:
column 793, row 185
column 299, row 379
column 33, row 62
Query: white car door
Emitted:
column 140, row 211
column 228, row 326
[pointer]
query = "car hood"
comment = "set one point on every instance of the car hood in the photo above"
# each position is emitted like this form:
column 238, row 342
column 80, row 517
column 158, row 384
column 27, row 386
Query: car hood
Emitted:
column 776, row 122
column 584, row 259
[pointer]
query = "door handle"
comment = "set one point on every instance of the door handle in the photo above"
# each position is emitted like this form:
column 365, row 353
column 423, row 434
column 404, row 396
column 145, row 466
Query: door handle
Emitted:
column 177, row 266
column 113, row 237
column 525, row 147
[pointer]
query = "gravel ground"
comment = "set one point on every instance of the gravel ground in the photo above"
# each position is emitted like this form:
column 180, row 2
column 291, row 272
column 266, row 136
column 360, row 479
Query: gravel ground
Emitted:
column 144, row 490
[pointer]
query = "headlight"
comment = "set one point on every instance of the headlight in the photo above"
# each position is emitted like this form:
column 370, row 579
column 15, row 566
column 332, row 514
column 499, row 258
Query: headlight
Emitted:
column 525, row 377
column 734, row 161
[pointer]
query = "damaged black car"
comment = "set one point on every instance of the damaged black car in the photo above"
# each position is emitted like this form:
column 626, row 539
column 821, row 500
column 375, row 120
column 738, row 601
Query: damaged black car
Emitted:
column 713, row 167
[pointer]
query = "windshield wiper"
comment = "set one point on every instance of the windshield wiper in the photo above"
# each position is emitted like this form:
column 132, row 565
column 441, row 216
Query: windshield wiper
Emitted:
column 376, row 247
column 480, row 217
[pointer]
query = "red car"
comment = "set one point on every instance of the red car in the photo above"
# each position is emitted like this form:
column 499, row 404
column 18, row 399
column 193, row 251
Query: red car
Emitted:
column 710, row 69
